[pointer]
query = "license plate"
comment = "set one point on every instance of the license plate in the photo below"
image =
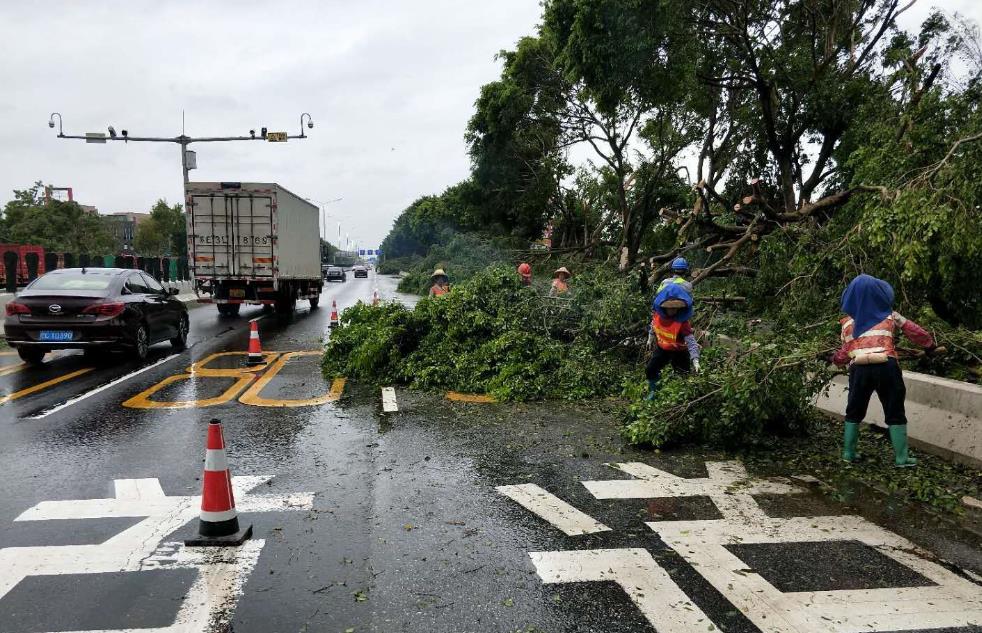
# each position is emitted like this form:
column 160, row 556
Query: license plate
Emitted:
column 57, row 336
column 236, row 293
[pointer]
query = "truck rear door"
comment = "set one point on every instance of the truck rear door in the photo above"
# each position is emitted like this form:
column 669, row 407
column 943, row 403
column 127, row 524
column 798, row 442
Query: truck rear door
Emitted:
column 232, row 235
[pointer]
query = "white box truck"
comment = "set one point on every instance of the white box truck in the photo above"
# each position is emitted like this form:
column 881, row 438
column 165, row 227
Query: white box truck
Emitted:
column 252, row 243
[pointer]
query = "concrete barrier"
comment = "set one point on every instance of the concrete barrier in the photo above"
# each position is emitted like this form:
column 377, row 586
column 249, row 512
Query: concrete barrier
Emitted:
column 943, row 416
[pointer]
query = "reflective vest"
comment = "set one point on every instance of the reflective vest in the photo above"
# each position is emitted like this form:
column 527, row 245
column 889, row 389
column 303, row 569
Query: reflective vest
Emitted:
column 559, row 286
column 667, row 334
column 876, row 340
column 675, row 280
column 438, row 291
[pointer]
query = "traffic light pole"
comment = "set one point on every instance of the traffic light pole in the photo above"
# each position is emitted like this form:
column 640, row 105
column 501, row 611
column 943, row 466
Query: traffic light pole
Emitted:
column 183, row 140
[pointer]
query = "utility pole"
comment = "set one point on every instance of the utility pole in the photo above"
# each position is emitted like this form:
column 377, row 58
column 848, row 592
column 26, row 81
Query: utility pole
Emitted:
column 183, row 140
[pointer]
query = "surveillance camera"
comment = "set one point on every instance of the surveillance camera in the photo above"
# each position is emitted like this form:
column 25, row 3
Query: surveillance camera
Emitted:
column 263, row 132
column 124, row 133
column 252, row 133
column 51, row 124
column 310, row 123
column 112, row 131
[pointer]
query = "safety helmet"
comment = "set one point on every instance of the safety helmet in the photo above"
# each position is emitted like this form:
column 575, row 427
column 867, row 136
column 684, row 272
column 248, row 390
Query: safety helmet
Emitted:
column 524, row 269
column 679, row 264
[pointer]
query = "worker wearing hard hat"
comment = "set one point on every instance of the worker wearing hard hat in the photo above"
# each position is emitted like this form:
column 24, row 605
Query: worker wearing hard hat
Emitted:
column 525, row 274
column 670, row 337
column 560, row 282
column 441, row 283
column 680, row 271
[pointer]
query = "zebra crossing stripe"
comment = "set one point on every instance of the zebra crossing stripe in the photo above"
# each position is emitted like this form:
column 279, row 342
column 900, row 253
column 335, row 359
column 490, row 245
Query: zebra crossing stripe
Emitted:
column 551, row 508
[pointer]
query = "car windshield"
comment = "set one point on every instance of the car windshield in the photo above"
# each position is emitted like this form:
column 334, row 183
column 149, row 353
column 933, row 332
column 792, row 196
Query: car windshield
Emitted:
column 72, row 281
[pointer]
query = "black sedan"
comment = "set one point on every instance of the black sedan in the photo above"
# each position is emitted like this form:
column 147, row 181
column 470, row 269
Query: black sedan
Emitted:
column 335, row 273
column 94, row 309
column 360, row 271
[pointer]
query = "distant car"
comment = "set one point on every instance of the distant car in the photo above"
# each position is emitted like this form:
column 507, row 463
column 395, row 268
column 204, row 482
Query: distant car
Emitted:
column 335, row 273
column 94, row 309
column 359, row 271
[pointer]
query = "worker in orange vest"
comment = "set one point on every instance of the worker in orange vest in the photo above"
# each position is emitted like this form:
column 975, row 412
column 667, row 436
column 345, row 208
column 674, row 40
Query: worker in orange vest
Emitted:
column 670, row 336
column 560, row 282
column 441, row 283
column 525, row 274
column 868, row 334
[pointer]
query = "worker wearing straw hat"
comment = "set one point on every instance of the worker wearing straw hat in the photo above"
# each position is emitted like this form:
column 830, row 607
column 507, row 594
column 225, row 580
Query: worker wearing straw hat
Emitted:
column 560, row 280
column 441, row 283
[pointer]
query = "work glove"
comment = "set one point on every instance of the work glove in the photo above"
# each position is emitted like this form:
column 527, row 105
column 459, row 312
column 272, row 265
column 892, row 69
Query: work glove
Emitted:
column 695, row 365
column 651, row 341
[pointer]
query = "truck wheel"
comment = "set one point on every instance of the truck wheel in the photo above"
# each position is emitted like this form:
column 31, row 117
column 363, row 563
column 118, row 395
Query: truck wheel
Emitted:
column 314, row 301
column 228, row 309
column 30, row 355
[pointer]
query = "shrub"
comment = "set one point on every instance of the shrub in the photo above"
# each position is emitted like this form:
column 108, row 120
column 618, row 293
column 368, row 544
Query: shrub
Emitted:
column 739, row 398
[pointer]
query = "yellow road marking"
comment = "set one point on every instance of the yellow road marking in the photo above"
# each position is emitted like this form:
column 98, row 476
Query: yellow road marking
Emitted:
column 6, row 370
column 252, row 397
column 200, row 368
column 142, row 400
column 8, row 353
column 470, row 397
column 44, row 385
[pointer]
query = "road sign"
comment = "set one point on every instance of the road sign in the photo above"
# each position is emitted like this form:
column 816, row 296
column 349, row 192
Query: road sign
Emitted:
column 95, row 137
column 276, row 137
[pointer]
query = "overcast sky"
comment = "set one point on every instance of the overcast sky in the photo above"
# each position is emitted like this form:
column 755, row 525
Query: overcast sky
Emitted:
column 390, row 86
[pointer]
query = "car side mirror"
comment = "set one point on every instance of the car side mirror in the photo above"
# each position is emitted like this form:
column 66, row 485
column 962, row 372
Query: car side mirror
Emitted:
column 173, row 292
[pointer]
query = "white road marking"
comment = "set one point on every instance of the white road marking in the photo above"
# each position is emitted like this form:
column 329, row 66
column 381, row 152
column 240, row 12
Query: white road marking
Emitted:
column 222, row 571
column 97, row 390
column 728, row 486
column 551, row 508
column 952, row 602
column 389, row 403
column 649, row 586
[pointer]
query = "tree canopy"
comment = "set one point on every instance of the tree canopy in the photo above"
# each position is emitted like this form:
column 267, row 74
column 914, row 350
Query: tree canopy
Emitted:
column 56, row 225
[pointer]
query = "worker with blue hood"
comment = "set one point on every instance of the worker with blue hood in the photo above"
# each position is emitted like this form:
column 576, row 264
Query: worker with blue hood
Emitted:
column 670, row 336
column 868, row 348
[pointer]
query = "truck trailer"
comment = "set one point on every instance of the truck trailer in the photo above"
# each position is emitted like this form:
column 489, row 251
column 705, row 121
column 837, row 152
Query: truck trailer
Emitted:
column 252, row 243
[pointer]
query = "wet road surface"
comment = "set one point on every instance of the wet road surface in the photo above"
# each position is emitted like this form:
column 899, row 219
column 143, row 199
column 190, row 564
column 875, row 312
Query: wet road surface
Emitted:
column 441, row 516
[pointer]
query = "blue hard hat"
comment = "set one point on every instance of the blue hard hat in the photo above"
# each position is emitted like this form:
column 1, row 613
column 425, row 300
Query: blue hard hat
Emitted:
column 679, row 263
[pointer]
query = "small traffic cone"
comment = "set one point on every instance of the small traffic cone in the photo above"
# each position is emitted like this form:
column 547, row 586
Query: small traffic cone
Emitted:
column 219, row 523
column 255, row 349
column 375, row 297
column 334, row 314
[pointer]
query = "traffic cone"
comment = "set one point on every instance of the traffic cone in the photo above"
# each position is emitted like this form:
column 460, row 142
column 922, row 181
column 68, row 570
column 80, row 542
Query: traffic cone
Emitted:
column 334, row 314
column 255, row 349
column 219, row 524
column 375, row 297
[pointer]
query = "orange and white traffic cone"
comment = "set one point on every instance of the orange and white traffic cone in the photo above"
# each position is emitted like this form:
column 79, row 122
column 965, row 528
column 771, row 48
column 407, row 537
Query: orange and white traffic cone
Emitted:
column 255, row 349
column 375, row 297
column 334, row 314
column 219, row 523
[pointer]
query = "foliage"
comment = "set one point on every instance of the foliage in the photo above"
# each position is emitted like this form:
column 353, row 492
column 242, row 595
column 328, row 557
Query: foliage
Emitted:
column 163, row 233
column 53, row 224
column 488, row 335
column 739, row 397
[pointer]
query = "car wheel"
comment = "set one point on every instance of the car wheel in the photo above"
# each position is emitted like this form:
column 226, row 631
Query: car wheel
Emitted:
column 141, row 342
column 180, row 341
column 30, row 355
column 314, row 301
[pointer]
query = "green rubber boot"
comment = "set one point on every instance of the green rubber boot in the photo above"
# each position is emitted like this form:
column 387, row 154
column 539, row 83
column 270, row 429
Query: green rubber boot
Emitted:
column 652, row 387
column 898, row 437
column 850, row 439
